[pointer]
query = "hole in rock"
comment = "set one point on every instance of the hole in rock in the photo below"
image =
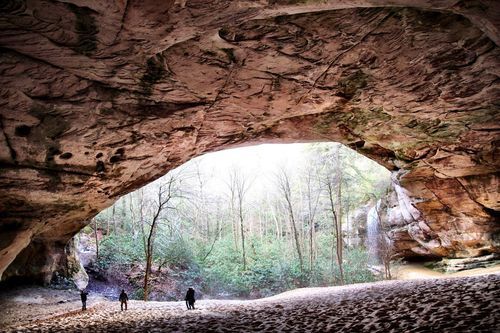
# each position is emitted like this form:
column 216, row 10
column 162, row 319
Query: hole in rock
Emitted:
column 23, row 130
column 99, row 167
column 241, row 223
column 66, row 156
column 114, row 158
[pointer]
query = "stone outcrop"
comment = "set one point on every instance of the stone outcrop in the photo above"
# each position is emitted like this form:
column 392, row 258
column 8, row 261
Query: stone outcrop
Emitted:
column 413, row 237
column 99, row 98
column 457, row 265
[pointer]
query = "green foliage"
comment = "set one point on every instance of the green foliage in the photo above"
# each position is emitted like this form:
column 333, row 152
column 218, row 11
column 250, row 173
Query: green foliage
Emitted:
column 356, row 266
column 173, row 251
column 137, row 294
column 222, row 270
column 198, row 238
column 119, row 250
column 273, row 269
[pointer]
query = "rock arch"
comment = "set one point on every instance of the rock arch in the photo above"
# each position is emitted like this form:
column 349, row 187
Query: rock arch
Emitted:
column 100, row 98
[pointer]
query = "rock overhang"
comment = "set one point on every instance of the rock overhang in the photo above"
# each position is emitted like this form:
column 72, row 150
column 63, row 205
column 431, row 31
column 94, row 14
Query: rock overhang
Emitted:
column 101, row 98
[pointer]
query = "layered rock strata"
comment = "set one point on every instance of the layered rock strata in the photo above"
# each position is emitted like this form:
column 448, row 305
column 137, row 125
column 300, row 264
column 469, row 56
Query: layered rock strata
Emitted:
column 100, row 98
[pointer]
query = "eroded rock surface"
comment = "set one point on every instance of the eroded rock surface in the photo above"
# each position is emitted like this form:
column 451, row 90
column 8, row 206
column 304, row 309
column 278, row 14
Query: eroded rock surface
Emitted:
column 99, row 98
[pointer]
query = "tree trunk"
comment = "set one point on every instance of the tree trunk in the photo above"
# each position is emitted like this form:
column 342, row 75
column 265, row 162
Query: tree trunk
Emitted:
column 340, row 241
column 311, row 256
column 242, row 237
column 217, row 226
column 297, row 242
column 131, row 209
column 236, row 238
column 234, row 225
column 276, row 221
column 142, row 221
column 146, row 275
column 149, row 257
column 123, row 215
column 161, row 204
column 96, row 240
column 335, row 233
column 287, row 193
column 311, row 210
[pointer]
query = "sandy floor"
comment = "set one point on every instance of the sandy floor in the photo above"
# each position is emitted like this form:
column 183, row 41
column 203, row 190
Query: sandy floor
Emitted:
column 419, row 271
column 25, row 305
column 463, row 304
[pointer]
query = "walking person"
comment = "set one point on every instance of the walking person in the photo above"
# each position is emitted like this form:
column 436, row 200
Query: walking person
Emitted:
column 123, row 299
column 190, row 299
column 83, row 297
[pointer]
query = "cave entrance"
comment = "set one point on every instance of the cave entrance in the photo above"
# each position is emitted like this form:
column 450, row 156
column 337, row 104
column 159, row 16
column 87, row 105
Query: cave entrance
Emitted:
column 415, row 89
column 245, row 222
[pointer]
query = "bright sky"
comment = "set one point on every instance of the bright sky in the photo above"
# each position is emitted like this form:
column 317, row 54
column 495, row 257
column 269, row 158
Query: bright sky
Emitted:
column 261, row 158
column 257, row 163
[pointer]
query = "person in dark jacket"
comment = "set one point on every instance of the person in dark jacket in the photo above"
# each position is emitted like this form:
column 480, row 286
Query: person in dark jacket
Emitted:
column 83, row 296
column 123, row 299
column 190, row 299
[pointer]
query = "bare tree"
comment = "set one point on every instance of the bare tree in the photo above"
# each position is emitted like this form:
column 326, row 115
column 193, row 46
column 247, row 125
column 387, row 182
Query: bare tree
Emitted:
column 165, row 193
column 312, row 201
column 136, row 212
column 232, row 206
column 340, row 240
column 218, row 231
column 332, row 182
column 238, row 187
column 142, row 208
column 272, row 207
column 202, row 218
column 283, row 182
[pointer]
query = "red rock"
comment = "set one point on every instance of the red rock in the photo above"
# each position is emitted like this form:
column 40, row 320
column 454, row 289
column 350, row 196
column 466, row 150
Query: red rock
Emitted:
column 129, row 90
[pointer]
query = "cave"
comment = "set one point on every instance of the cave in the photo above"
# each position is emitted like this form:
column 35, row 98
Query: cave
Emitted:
column 101, row 98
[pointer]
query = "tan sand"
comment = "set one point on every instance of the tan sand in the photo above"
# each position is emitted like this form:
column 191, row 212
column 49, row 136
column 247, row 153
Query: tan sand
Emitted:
column 419, row 271
column 463, row 304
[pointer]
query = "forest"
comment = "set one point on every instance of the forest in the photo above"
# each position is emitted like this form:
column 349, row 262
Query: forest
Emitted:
column 245, row 226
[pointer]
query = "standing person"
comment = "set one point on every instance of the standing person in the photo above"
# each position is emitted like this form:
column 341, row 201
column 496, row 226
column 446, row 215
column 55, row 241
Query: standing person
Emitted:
column 83, row 296
column 190, row 299
column 123, row 299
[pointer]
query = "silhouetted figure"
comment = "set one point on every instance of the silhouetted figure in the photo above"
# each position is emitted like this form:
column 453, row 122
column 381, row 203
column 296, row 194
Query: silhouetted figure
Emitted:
column 190, row 299
column 123, row 299
column 83, row 296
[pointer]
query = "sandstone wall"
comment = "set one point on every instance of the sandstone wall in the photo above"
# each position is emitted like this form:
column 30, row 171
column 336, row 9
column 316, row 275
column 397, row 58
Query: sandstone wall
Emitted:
column 97, row 98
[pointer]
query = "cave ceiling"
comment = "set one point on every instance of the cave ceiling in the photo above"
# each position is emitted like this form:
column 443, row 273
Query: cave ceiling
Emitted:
column 98, row 98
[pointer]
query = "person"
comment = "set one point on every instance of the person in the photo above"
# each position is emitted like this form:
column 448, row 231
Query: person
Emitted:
column 83, row 296
column 123, row 299
column 190, row 299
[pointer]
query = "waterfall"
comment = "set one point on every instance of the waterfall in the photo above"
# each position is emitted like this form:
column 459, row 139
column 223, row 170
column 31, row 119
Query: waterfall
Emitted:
column 372, row 234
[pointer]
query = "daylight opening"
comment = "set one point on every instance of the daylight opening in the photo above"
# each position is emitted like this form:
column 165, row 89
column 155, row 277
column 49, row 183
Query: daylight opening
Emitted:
column 243, row 223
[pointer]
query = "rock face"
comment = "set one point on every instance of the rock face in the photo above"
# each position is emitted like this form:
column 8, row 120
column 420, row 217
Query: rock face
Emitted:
column 99, row 98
